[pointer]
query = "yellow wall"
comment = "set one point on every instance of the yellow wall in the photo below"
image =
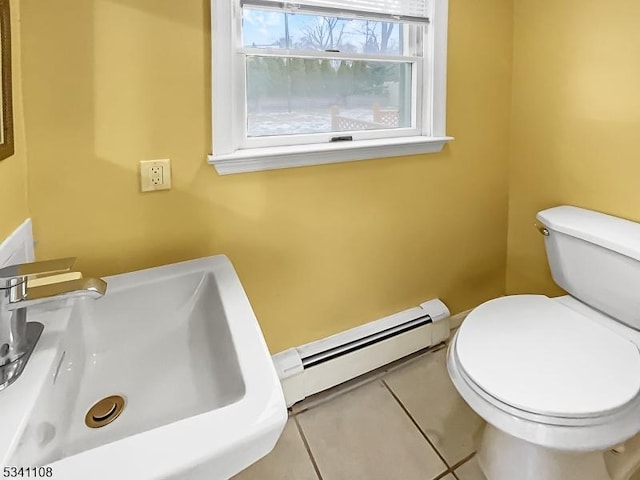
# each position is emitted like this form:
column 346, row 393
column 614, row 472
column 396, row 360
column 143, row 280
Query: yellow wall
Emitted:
column 318, row 249
column 13, row 170
column 576, row 121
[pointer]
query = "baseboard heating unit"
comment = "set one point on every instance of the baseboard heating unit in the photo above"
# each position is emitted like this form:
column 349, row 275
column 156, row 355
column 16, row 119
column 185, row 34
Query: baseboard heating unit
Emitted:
column 323, row 364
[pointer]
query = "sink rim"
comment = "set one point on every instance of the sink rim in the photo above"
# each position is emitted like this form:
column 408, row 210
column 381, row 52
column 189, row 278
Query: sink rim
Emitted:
column 18, row 401
column 166, row 450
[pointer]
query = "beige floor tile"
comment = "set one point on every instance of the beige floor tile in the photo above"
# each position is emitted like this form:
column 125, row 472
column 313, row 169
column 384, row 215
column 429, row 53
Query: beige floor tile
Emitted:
column 448, row 477
column 470, row 471
column 426, row 391
column 289, row 460
column 365, row 435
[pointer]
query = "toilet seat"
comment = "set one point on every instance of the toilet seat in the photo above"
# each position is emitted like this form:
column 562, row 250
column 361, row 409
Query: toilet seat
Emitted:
column 575, row 435
column 536, row 418
column 541, row 358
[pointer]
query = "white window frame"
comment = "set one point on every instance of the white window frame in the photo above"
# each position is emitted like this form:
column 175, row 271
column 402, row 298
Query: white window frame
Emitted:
column 234, row 152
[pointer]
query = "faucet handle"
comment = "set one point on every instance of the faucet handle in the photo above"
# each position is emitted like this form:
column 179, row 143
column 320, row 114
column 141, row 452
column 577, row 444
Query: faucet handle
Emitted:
column 46, row 267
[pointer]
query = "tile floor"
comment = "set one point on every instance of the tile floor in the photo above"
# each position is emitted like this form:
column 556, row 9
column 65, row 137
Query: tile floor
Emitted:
column 405, row 423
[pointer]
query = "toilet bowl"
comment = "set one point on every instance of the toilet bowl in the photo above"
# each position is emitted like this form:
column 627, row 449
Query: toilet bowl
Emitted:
column 558, row 379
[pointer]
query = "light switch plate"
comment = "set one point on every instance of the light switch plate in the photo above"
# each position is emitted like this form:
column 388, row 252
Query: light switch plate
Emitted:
column 155, row 175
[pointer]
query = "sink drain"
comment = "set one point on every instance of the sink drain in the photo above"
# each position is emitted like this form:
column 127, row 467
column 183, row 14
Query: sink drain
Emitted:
column 104, row 412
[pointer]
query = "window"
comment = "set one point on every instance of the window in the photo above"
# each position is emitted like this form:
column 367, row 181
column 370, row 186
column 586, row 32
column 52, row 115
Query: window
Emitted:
column 321, row 81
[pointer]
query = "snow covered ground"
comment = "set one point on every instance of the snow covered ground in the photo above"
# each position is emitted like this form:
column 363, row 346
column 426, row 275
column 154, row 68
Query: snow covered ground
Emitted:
column 299, row 122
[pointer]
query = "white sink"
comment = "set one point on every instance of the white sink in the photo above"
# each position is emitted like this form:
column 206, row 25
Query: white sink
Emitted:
column 182, row 346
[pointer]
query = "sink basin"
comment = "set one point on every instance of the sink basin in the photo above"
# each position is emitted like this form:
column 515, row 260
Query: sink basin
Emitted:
column 181, row 347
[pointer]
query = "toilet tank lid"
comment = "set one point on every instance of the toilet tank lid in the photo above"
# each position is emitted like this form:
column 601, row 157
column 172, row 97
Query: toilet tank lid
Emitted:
column 616, row 234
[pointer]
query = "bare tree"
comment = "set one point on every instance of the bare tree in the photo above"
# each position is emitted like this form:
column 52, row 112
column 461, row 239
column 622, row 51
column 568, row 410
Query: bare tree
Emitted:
column 387, row 30
column 373, row 44
column 325, row 34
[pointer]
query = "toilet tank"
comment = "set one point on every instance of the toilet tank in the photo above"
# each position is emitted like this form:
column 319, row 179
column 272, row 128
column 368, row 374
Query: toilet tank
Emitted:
column 596, row 259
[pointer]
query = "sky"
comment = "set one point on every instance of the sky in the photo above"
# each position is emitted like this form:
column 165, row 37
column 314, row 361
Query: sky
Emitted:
column 267, row 27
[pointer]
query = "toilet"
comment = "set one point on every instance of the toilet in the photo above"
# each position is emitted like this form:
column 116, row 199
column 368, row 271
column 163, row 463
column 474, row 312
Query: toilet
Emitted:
column 558, row 379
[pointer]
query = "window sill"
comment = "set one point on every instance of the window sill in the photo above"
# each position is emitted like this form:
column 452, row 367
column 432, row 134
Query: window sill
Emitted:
column 272, row 158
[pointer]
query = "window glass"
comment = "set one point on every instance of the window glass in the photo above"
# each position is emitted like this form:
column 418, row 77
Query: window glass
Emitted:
column 287, row 95
column 276, row 29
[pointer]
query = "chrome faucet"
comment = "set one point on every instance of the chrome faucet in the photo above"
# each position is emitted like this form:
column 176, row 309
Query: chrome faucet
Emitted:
column 19, row 337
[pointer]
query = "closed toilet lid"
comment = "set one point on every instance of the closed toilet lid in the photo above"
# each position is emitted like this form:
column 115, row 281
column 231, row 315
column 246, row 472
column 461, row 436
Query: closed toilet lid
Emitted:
column 540, row 356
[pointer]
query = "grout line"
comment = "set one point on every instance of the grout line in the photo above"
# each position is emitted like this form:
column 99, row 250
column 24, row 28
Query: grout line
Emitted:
column 463, row 461
column 413, row 420
column 452, row 470
column 307, row 447
column 321, row 398
column 444, row 474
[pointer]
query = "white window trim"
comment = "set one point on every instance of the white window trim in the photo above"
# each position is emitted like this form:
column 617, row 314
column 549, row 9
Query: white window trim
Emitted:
column 228, row 158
